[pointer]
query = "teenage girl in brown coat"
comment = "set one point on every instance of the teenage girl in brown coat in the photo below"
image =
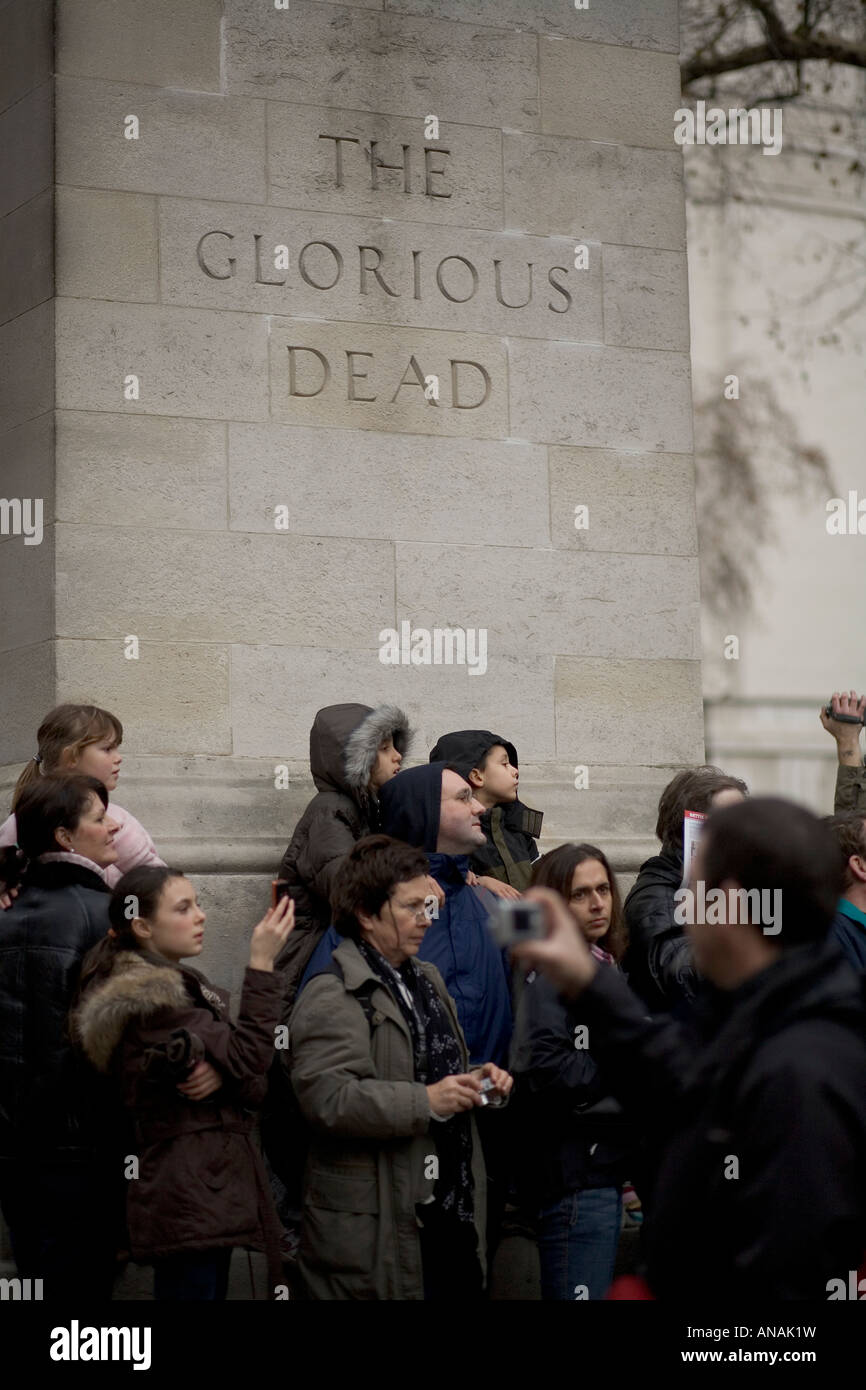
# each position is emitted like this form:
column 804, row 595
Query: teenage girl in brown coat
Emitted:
column 189, row 1079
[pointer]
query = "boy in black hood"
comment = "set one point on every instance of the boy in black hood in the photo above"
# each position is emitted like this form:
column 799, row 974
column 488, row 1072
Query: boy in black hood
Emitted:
column 354, row 750
column 489, row 764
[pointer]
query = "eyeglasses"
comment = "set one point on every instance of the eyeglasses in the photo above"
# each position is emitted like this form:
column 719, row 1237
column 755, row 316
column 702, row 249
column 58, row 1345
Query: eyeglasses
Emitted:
column 420, row 914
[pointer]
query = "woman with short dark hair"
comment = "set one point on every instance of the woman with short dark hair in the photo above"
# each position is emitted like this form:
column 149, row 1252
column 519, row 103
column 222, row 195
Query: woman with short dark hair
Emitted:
column 54, row 1189
column 394, row 1196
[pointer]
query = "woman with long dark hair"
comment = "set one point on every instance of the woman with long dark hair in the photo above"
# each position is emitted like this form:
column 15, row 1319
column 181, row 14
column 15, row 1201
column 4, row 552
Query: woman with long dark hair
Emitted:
column 189, row 1078
column 576, row 1154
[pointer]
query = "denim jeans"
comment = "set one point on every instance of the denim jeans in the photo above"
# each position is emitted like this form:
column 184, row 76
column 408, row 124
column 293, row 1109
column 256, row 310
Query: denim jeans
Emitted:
column 194, row 1276
column 577, row 1243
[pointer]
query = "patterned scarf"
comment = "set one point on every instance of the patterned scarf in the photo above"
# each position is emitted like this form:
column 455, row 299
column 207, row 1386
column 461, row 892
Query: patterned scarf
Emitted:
column 436, row 1054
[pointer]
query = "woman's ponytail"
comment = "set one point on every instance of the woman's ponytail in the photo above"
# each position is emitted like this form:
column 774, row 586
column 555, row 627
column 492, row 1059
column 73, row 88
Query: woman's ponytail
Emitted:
column 30, row 775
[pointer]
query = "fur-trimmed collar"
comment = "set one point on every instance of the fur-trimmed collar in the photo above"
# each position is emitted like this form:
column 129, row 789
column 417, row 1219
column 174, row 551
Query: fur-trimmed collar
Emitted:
column 362, row 745
column 136, row 988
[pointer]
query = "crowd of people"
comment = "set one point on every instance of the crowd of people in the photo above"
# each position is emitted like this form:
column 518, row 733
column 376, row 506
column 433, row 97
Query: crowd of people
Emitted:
column 397, row 1088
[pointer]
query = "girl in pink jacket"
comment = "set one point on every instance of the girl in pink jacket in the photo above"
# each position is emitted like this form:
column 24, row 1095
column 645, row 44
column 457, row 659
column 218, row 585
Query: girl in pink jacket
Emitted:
column 86, row 739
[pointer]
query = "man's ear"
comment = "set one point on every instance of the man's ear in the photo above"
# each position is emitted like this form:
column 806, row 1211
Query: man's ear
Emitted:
column 857, row 866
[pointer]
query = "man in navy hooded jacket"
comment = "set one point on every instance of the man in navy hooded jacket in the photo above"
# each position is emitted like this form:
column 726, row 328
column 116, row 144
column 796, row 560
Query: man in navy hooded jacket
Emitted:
column 433, row 808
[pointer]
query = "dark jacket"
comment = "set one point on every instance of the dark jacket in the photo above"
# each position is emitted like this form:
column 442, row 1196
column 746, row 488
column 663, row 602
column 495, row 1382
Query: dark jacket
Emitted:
column 344, row 741
column 373, row 1136
column 659, row 961
column 201, row 1183
column 48, row 1102
column 849, row 933
column 511, row 828
column 457, row 942
column 572, row 1133
column 760, row 1193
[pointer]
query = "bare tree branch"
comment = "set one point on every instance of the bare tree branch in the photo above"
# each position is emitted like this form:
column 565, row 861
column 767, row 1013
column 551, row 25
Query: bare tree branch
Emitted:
column 802, row 43
column 812, row 48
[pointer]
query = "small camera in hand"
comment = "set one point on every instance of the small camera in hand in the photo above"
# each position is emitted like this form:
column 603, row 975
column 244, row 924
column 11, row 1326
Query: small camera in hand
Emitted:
column 486, row 1086
column 845, row 718
column 512, row 921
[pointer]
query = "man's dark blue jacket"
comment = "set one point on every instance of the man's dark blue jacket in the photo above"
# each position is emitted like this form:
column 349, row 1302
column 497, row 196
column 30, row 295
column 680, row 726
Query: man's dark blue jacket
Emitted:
column 457, row 942
column 849, row 932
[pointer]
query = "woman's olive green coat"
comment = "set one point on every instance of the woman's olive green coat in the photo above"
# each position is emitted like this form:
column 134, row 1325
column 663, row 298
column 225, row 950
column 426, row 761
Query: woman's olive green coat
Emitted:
column 372, row 1153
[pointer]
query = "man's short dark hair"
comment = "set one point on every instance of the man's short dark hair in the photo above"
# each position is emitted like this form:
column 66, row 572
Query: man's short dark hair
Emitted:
column 850, row 833
column 766, row 842
column 367, row 877
column 691, row 790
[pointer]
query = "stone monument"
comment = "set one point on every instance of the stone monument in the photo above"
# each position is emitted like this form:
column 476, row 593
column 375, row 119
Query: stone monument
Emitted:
column 345, row 347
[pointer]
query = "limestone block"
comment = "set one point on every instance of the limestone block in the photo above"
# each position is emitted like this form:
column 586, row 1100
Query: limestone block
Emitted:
column 106, row 245
column 26, row 685
column 26, row 584
column 149, row 471
column 192, row 144
column 276, row 693
column 362, row 376
column 554, row 185
column 381, row 62
column 206, row 587
column 636, row 502
column 616, row 398
column 629, row 22
column 616, row 809
column 188, row 362
column 646, row 298
column 622, row 96
column 27, row 462
column 26, row 256
column 629, row 711
column 25, row 48
column 214, row 255
column 175, row 695
column 161, row 42
column 233, row 904
column 407, row 486
column 543, row 601
column 26, row 148
column 213, row 813
column 320, row 157
column 27, row 366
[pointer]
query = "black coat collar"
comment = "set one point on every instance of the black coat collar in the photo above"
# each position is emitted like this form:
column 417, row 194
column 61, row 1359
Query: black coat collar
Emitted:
column 60, row 873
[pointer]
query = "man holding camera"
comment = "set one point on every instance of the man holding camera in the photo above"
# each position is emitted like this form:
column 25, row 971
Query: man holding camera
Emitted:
column 761, row 1121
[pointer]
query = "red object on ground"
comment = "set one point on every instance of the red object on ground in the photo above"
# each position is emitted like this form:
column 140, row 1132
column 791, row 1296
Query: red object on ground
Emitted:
column 630, row 1288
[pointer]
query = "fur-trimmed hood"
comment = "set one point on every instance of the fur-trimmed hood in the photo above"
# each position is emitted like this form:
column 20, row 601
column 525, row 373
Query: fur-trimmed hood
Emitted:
column 136, row 988
column 344, row 741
